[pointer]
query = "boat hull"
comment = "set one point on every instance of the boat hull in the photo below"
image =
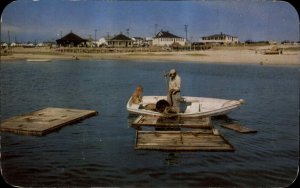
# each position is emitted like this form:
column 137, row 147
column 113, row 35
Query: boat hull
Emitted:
column 198, row 106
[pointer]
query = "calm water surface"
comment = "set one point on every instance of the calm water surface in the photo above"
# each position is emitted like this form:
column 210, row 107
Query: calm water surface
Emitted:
column 99, row 151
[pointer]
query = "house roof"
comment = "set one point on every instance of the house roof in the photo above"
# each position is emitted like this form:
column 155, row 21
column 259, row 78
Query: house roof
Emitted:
column 120, row 37
column 165, row 34
column 138, row 38
column 71, row 37
column 219, row 35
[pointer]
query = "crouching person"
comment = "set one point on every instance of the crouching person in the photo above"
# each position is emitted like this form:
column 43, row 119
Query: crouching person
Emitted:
column 137, row 95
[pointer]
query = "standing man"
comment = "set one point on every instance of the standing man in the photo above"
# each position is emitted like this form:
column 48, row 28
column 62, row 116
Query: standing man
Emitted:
column 174, row 90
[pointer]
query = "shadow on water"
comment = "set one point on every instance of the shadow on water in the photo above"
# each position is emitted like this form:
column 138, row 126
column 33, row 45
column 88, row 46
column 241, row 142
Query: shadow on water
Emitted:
column 131, row 118
column 223, row 118
column 172, row 160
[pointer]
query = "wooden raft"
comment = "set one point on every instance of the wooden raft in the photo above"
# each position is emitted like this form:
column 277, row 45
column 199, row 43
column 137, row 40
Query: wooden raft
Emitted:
column 201, row 140
column 177, row 122
column 44, row 121
column 239, row 128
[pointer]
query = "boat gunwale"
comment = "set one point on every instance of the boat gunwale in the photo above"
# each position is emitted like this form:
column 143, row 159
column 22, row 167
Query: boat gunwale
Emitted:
column 220, row 111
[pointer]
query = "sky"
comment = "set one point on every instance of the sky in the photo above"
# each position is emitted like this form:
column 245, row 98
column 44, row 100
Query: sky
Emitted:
column 47, row 20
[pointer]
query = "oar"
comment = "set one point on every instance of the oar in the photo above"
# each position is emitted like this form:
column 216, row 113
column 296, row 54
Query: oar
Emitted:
column 167, row 84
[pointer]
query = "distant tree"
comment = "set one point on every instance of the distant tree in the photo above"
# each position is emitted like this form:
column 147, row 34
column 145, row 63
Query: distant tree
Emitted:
column 248, row 41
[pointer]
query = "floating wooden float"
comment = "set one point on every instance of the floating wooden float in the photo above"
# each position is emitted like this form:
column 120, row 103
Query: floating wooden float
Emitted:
column 44, row 121
column 239, row 128
column 174, row 122
column 200, row 140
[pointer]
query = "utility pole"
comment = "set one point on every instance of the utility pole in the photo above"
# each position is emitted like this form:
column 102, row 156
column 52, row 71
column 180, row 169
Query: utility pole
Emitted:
column 127, row 32
column 186, row 29
column 9, row 43
column 191, row 43
column 155, row 29
column 95, row 35
column 8, row 37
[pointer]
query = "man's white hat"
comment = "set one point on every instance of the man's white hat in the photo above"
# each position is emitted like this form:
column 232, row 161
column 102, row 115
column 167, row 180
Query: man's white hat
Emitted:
column 172, row 71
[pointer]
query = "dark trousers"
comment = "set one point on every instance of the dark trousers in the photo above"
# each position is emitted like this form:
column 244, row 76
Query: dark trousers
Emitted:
column 174, row 100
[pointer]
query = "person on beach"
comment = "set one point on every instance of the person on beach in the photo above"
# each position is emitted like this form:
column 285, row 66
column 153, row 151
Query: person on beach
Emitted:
column 174, row 95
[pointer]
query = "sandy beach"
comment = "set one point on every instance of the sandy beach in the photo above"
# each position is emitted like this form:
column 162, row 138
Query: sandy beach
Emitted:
column 228, row 55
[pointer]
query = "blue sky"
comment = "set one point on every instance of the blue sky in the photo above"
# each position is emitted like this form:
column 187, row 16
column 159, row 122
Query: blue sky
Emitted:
column 44, row 20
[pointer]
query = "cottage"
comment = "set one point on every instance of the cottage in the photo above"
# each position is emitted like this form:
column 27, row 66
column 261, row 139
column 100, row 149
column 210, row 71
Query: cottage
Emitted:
column 220, row 39
column 138, row 41
column 164, row 38
column 71, row 40
column 120, row 41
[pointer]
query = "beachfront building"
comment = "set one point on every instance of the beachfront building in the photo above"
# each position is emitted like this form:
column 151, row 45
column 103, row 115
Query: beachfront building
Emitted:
column 221, row 38
column 101, row 42
column 164, row 38
column 120, row 41
column 71, row 40
column 90, row 42
column 138, row 41
column 149, row 41
column 4, row 45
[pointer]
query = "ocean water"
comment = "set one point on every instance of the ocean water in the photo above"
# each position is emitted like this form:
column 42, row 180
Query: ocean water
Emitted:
column 99, row 151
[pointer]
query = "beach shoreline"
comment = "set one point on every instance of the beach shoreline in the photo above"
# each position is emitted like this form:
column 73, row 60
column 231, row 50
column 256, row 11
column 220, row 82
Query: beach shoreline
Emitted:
column 219, row 55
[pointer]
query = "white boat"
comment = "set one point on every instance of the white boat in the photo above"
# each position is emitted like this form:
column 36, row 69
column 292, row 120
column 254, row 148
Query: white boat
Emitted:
column 194, row 106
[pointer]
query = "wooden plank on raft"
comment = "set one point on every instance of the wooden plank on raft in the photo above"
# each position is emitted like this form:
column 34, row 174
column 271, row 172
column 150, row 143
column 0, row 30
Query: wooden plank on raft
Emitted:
column 182, row 141
column 44, row 121
column 203, row 123
column 239, row 128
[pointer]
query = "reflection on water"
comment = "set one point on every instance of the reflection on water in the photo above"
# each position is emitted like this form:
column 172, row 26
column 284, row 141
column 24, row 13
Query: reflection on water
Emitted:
column 172, row 160
column 99, row 151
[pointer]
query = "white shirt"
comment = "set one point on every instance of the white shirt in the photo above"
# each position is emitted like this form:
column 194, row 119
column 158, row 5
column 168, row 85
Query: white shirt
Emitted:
column 175, row 83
